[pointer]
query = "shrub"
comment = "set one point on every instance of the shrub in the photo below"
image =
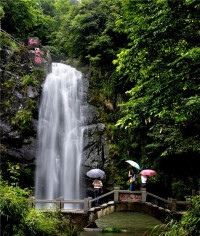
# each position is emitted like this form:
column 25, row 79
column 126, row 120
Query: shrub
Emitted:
column 191, row 219
column 40, row 223
column 12, row 67
column 13, row 207
column 23, row 120
column 19, row 219
column 188, row 225
column 110, row 230
column 28, row 80
column 39, row 74
column 5, row 41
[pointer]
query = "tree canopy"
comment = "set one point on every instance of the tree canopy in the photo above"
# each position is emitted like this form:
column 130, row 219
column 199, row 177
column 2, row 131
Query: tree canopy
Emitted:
column 162, row 61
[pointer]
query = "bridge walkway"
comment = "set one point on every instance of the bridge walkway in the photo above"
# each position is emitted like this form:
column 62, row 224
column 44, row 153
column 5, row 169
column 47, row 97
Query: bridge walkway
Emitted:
column 120, row 200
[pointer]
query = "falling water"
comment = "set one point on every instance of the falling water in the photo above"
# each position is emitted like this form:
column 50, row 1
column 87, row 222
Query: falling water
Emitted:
column 60, row 135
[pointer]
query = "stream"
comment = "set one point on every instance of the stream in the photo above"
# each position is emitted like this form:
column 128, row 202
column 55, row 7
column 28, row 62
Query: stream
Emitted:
column 135, row 223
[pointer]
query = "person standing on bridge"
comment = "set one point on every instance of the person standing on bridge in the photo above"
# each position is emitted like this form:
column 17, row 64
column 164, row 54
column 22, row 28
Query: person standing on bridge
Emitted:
column 131, row 175
column 144, row 180
column 98, row 188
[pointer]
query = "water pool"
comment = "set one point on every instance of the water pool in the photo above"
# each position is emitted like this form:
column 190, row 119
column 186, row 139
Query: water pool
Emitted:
column 135, row 223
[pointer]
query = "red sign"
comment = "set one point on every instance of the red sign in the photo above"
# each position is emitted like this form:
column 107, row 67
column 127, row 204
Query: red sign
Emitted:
column 33, row 41
column 38, row 60
column 38, row 51
column 130, row 197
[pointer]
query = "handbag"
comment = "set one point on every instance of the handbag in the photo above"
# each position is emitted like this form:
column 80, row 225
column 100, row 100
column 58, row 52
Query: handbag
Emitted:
column 131, row 180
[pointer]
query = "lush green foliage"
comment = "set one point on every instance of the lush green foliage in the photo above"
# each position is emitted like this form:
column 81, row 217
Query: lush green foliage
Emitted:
column 5, row 41
column 28, row 80
column 188, row 225
column 20, row 16
column 23, row 120
column 18, row 218
column 88, row 34
column 162, row 62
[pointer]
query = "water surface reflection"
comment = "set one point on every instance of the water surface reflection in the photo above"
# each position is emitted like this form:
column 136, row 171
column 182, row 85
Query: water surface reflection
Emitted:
column 135, row 223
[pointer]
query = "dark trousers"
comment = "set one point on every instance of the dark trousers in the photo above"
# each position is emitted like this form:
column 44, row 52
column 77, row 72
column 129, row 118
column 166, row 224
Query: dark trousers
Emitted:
column 96, row 194
column 132, row 186
column 144, row 185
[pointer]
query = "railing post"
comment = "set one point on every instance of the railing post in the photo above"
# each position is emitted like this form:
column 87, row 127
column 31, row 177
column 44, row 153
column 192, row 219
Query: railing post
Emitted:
column 116, row 194
column 169, row 203
column 86, row 204
column 144, row 194
column 31, row 202
column 89, row 202
column 60, row 204
column 174, row 206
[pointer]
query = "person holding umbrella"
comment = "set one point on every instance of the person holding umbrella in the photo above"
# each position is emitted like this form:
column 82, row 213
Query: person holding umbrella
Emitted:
column 98, row 188
column 96, row 174
column 131, row 175
column 144, row 174
column 144, row 180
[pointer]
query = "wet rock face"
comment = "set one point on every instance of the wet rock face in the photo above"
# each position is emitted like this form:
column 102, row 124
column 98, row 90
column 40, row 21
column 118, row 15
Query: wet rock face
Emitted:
column 94, row 142
column 21, row 86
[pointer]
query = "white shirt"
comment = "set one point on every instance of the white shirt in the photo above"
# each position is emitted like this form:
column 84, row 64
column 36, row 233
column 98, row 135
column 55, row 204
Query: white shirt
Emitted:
column 144, row 179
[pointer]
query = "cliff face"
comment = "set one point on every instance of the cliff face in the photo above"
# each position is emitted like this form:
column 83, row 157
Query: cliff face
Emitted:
column 95, row 144
column 22, row 75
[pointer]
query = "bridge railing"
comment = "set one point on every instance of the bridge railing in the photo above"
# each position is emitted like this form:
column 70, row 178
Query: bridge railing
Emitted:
column 122, row 195
column 58, row 203
column 172, row 204
column 156, row 200
column 119, row 196
column 11, row 37
column 100, row 197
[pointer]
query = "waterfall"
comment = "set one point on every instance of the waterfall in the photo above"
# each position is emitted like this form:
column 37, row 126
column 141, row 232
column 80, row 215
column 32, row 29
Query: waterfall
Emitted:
column 60, row 136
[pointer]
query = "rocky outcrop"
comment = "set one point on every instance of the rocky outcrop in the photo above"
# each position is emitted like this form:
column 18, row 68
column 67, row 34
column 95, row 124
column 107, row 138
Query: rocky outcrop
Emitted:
column 21, row 84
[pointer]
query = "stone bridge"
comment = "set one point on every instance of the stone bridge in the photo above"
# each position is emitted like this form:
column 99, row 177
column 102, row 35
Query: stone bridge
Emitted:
column 124, row 200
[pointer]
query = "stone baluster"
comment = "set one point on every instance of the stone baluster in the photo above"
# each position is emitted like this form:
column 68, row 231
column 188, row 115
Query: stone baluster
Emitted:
column 174, row 206
column 144, row 194
column 86, row 204
column 116, row 194
column 89, row 202
column 60, row 204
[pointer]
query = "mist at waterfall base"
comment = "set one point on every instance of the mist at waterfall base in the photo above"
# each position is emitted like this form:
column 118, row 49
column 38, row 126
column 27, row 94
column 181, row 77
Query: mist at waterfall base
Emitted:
column 60, row 136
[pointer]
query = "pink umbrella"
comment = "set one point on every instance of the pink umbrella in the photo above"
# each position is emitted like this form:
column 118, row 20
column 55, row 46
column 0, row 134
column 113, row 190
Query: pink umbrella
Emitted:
column 148, row 172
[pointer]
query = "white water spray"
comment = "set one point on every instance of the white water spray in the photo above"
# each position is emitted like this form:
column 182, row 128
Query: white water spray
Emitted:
column 60, row 136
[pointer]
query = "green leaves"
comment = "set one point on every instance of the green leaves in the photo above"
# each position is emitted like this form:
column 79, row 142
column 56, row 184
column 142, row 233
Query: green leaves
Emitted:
column 23, row 120
column 188, row 224
column 161, row 62
column 19, row 219
column 20, row 16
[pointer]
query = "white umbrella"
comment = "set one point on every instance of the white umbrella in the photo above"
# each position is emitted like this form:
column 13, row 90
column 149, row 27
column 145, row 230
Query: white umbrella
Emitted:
column 134, row 164
column 95, row 173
